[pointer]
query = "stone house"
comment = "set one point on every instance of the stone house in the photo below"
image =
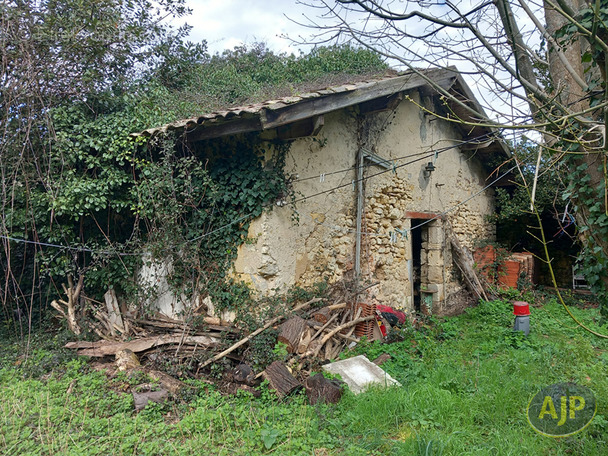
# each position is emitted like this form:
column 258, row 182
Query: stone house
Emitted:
column 382, row 165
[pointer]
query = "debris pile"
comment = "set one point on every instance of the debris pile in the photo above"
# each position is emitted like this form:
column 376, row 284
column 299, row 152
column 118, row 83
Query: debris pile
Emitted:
column 311, row 333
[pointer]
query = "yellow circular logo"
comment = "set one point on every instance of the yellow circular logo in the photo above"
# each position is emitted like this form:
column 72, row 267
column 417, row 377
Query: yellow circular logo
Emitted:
column 561, row 409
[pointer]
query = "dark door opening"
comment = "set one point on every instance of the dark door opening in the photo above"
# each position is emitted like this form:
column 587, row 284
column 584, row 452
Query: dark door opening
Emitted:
column 416, row 235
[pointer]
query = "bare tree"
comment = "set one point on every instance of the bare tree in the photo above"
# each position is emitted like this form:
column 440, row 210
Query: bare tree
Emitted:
column 58, row 53
column 539, row 68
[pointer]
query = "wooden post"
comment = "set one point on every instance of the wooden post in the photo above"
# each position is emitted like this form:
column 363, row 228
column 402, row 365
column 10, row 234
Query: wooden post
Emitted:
column 360, row 195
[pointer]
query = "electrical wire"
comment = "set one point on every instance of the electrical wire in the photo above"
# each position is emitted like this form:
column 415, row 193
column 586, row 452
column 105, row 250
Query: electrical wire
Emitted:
column 478, row 139
column 67, row 247
column 404, row 232
column 305, row 198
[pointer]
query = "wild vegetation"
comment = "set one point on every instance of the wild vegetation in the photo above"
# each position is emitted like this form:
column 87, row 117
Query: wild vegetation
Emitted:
column 82, row 199
column 466, row 382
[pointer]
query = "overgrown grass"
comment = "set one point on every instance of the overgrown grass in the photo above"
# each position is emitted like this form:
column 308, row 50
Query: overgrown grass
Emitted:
column 466, row 382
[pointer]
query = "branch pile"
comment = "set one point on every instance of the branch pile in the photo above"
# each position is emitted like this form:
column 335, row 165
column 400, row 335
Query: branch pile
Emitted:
column 310, row 334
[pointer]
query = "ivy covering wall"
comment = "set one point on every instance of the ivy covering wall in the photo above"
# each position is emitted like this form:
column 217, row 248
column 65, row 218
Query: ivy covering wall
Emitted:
column 86, row 199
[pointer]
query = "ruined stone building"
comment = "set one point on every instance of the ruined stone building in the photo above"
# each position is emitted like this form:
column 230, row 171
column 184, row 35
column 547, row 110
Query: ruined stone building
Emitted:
column 375, row 165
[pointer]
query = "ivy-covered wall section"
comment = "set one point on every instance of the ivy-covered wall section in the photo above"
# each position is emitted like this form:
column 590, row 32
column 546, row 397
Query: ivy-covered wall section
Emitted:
column 196, row 206
column 82, row 199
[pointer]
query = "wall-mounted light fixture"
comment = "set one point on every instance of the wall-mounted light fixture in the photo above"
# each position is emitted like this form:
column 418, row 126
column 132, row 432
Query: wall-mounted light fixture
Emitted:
column 428, row 169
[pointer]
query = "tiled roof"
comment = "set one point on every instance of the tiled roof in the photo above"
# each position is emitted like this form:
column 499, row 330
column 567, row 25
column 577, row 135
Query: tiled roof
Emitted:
column 255, row 109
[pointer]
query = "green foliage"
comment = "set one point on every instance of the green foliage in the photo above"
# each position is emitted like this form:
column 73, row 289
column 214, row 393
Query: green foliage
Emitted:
column 586, row 186
column 465, row 389
column 592, row 261
column 252, row 73
column 269, row 437
column 262, row 350
column 513, row 204
column 88, row 184
column 68, row 103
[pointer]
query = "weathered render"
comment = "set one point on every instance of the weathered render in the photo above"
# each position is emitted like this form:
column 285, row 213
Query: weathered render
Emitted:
column 388, row 151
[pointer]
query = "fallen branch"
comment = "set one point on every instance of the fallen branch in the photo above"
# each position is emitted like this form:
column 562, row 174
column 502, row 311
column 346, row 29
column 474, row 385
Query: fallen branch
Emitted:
column 253, row 334
column 105, row 348
column 330, row 321
column 343, row 336
column 337, row 306
column 73, row 293
column 336, row 330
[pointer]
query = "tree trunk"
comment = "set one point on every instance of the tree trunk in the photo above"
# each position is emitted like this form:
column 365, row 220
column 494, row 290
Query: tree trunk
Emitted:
column 320, row 389
column 280, row 378
column 567, row 74
column 593, row 160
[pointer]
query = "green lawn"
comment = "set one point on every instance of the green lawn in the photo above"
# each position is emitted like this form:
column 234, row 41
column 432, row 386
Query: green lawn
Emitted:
column 466, row 382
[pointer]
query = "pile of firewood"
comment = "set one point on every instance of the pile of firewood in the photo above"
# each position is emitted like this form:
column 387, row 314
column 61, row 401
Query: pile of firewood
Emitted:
column 326, row 332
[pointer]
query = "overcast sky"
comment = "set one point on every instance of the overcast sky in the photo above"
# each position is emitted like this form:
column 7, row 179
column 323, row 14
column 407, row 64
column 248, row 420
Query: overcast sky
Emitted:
column 227, row 23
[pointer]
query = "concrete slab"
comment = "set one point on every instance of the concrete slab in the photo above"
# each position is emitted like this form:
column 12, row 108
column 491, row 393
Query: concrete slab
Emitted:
column 359, row 373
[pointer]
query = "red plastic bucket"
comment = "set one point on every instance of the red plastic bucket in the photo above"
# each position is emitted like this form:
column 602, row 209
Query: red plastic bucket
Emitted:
column 521, row 308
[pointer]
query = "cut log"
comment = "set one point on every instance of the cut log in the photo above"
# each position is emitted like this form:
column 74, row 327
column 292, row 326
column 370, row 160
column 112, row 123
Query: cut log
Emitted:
column 234, row 388
column 280, row 379
column 140, row 400
column 126, row 360
column 173, row 385
column 321, row 390
column 384, row 357
column 322, row 315
column 243, row 374
column 105, row 348
column 291, row 332
column 304, row 341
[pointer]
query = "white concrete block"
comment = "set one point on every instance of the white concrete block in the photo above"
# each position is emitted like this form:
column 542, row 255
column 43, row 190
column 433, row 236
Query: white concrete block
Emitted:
column 360, row 373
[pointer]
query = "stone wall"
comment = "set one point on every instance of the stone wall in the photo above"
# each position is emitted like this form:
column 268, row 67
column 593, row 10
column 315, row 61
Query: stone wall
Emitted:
column 321, row 245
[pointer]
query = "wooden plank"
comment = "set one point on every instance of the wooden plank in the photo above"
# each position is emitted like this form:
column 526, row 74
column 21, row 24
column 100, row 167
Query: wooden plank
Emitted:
column 111, row 348
column 335, row 101
column 303, row 128
column 421, row 215
column 225, row 129
column 381, row 104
